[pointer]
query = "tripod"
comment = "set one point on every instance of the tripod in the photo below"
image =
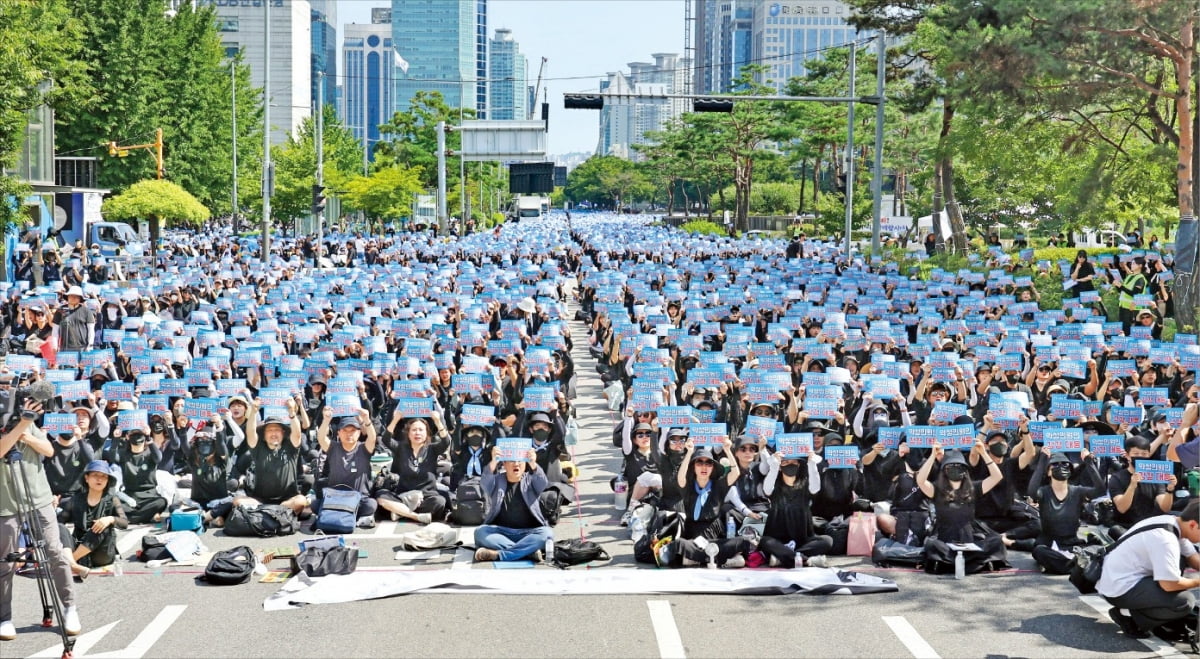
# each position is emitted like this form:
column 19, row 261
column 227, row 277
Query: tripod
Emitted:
column 35, row 552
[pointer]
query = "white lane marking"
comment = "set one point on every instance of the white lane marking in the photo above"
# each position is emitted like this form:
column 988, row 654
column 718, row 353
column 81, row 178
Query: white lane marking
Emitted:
column 670, row 646
column 462, row 559
column 131, row 540
column 83, row 642
column 148, row 636
column 910, row 638
column 1158, row 646
column 385, row 528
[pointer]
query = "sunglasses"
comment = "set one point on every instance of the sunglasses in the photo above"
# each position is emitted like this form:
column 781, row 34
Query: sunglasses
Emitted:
column 678, row 440
column 1044, row 369
column 641, row 434
column 749, row 449
column 704, row 463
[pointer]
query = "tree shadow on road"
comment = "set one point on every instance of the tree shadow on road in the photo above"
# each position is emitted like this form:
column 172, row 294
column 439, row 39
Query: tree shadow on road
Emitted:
column 1078, row 632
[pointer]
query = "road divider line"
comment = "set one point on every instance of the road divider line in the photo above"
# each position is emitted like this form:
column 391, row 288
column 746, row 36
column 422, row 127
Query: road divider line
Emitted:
column 131, row 540
column 912, row 640
column 1156, row 645
column 385, row 528
column 670, row 646
column 83, row 643
column 150, row 635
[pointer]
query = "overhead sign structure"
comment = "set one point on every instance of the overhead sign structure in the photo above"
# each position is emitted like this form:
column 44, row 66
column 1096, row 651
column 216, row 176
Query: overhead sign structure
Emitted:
column 504, row 140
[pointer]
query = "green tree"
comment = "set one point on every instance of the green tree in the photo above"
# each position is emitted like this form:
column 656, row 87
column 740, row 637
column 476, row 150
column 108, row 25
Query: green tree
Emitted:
column 604, row 181
column 386, row 194
column 156, row 201
column 39, row 44
column 296, row 164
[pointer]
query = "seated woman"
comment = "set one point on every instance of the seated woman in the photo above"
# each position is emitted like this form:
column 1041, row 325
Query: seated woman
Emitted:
column 1061, row 506
column 788, row 538
column 138, row 459
column 640, row 467
column 703, row 493
column 954, row 497
column 97, row 514
column 412, row 492
column 749, row 498
column 210, row 477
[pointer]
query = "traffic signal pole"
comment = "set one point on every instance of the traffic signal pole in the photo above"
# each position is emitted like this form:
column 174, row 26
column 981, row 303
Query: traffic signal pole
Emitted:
column 319, row 188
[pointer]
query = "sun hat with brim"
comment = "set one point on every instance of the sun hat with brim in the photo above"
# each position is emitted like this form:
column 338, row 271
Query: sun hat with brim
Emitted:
column 76, row 291
column 1098, row 427
column 1058, row 458
column 272, row 421
column 98, row 466
column 745, row 440
column 643, row 427
column 702, row 454
column 953, row 457
column 527, row 305
column 540, row 417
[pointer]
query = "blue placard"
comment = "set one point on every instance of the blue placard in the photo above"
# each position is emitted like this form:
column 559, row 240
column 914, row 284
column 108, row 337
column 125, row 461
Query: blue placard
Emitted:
column 841, row 457
column 73, row 389
column 670, row 416
column 342, row 405
column 119, row 391
column 539, row 399
column 707, row 434
column 128, row 420
column 59, row 423
column 793, row 446
column 1131, row 415
column 947, row 412
column 407, row 408
column 1107, row 446
column 512, row 449
column 958, row 437
column 201, row 408
column 821, row 408
column 920, row 436
column 1063, row 440
column 1038, row 428
column 1155, row 471
column 761, row 427
column 889, row 436
column 154, row 403
column 645, row 400
column 1154, row 396
column 477, row 415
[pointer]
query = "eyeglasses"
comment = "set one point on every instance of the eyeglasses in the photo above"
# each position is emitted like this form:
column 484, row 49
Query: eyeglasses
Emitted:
column 1045, row 369
column 678, row 440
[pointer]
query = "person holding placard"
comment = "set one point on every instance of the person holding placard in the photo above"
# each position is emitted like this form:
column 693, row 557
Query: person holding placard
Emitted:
column 415, row 454
column 348, row 462
column 514, row 528
column 275, row 455
column 208, row 457
column 748, row 499
column 639, row 467
column 789, row 539
column 704, row 491
column 1061, row 509
column 1133, row 499
column 954, row 497
column 138, row 459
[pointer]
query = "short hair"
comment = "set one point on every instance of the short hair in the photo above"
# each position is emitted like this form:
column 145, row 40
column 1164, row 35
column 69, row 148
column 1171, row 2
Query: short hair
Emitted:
column 1191, row 512
column 1137, row 441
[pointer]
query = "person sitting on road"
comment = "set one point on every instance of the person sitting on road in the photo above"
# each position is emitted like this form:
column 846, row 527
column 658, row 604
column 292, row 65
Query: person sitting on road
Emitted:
column 275, row 454
column 414, row 494
column 514, row 528
column 348, row 462
column 670, row 462
column 1060, row 505
column 749, row 499
column 954, row 498
column 788, row 538
column 640, row 467
column 1142, row 579
column 1133, row 499
column 704, row 491
column 137, row 457
column 209, row 462
column 97, row 513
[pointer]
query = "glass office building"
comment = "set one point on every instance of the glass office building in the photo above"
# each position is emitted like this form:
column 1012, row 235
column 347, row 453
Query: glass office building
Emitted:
column 369, row 65
column 508, row 91
column 788, row 34
column 438, row 40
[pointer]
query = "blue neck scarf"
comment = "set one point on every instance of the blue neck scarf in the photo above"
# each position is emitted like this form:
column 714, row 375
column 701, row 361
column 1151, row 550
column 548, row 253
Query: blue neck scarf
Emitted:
column 701, row 499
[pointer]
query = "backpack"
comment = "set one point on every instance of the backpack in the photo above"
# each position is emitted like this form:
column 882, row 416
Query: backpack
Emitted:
column 230, row 567
column 339, row 509
column 663, row 526
column 265, row 521
column 470, row 508
column 153, row 549
column 576, row 552
column 1089, row 559
column 324, row 561
column 551, row 503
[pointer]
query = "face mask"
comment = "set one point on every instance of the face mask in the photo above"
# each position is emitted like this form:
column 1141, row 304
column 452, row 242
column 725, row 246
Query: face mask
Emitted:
column 881, row 419
column 205, row 449
column 956, row 472
column 112, row 314
column 1123, row 462
column 475, row 440
column 541, row 435
column 913, row 460
column 998, row 449
column 137, row 441
column 1012, row 379
column 1060, row 472
column 790, row 471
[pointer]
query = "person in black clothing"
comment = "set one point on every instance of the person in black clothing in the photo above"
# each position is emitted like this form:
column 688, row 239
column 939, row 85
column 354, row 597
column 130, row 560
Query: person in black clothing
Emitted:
column 65, row 469
column 1133, row 499
column 473, row 454
column 76, row 323
column 704, row 490
column 96, row 513
column 275, row 455
column 412, row 493
column 348, row 462
column 1082, row 273
column 838, row 486
column 789, row 538
column 640, row 467
column 954, row 498
column 670, row 462
column 515, row 527
column 749, row 498
column 210, row 477
column 1001, row 508
column 1061, row 507
column 138, row 458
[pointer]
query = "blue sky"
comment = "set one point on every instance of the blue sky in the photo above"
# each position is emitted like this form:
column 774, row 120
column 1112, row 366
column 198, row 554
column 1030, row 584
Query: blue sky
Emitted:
column 582, row 39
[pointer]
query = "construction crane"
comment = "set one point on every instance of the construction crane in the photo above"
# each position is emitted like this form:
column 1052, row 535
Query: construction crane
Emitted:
column 537, row 88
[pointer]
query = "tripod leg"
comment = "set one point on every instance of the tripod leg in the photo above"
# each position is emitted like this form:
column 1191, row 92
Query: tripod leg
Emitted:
column 44, row 555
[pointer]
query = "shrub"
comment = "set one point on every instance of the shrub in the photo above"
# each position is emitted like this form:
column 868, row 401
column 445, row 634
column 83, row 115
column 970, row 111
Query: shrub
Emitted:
column 1054, row 254
column 703, row 227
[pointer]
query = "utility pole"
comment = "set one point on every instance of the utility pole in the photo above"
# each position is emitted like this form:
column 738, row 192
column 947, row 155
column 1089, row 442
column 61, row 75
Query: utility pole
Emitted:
column 268, row 174
column 850, row 154
column 233, row 103
column 877, row 165
column 320, row 209
column 441, row 158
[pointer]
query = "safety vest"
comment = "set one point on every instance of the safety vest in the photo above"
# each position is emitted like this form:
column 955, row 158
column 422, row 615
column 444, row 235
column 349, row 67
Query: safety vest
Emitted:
column 1131, row 282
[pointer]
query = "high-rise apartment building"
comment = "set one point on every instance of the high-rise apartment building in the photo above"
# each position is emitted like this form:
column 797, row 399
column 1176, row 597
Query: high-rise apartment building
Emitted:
column 724, row 41
column 241, row 27
column 439, row 41
column 625, row 121
column 482, row 89
column 369, row 65
column 508, row 81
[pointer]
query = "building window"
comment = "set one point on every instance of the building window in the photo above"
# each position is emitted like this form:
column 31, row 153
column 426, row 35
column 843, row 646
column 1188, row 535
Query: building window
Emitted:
column 825, row 9
column 227, row 24
column 231, row 49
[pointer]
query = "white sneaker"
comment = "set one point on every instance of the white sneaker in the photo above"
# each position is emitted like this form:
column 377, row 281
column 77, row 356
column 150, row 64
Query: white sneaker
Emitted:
column 736, row 561
column 424, row 518
column 71, row 622
column 817, row 561
column 8, row 632
column 626, row 518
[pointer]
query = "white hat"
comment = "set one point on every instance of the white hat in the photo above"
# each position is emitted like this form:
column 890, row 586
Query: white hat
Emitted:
column 75, row 290
column 527, row 305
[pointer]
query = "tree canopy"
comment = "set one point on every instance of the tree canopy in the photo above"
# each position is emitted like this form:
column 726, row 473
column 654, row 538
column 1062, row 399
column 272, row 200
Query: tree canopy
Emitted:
column 155, row 200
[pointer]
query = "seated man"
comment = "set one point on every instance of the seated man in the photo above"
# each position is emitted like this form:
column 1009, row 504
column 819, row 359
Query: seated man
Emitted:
column 1142, row 577
column 276, row 472
column 514, row 527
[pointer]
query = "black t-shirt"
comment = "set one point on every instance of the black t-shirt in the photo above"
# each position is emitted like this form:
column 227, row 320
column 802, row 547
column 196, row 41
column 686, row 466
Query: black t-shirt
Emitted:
column 1083, row 270
column 997, row 502
column 1060, row 519
column 707, row 523
column 416, row 472
column 1143, row 505
column 137, row 471
column 789, row 517
column 351, row 468
column 954, row 519
column 275, row 471
column 64, row 470
column 514, row 513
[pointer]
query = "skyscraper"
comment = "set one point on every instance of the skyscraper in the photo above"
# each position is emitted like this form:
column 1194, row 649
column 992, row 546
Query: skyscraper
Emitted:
column 625, row 121
column 723, row 42
column 438, row 39
column 324, row 48
column 241, row 28
column 481, row 60
column 369, row 62
column 508, row 75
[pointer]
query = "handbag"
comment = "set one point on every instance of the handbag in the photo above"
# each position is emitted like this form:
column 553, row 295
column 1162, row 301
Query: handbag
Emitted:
column 1089, row 559
column 339, row 507
column 322, row 562
column 860, row 538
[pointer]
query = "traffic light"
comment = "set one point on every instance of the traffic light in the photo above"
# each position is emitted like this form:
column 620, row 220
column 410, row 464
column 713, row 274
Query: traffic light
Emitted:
column 583, row 101
column 703, row 104
column 318, row 202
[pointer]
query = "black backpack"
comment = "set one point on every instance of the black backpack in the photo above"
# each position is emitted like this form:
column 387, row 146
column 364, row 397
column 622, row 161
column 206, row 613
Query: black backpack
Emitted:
column 470, row 508
column 230, row 567
column 551, row 504
column 577, row 552
column 1089, row 559
column 265, row 521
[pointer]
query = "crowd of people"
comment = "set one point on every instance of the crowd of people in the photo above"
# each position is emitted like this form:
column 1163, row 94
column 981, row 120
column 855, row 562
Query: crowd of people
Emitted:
column 771, row 397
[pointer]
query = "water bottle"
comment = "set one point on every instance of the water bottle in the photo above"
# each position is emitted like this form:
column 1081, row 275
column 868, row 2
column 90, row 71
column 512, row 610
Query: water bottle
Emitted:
column 117, row 569
column 960, row 566
column 619, row 493
column 730, row 528
column 549, row 552
column 637, row 528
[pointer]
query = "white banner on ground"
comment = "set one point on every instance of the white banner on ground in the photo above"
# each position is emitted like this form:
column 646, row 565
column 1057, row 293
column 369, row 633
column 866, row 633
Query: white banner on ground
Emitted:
column 374, row 584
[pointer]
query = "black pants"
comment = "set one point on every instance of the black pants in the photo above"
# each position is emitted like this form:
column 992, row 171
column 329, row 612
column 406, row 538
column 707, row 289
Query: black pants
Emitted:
column 1015, row 529
column 1150, row 606
column 814, row 546
column 728, row 548
column 1052, row 562
column 146, row 510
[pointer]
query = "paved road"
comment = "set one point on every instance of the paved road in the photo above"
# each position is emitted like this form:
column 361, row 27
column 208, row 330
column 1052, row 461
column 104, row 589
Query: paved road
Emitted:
column 1005, row 615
